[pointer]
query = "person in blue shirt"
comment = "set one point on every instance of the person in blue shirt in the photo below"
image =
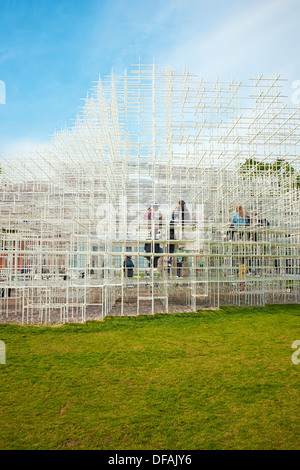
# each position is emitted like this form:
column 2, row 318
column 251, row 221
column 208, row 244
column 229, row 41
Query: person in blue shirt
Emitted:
column 128, row 267
column 240, row 219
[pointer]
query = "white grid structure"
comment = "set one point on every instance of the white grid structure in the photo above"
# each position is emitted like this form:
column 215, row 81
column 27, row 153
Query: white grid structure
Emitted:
column 72, row 213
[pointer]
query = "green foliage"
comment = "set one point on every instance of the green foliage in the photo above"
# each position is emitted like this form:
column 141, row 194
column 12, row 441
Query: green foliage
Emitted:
column 211, row 380
column 279, row 168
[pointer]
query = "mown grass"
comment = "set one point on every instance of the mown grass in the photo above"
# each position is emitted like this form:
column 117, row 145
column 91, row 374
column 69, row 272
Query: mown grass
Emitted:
column 211, row 380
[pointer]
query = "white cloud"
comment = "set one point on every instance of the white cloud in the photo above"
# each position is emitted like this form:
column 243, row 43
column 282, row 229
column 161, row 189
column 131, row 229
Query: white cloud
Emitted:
column 255, row 35
column 21, row 148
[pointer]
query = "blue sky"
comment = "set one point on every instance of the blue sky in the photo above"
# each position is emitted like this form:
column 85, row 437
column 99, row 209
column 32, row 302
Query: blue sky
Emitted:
column 52, row 50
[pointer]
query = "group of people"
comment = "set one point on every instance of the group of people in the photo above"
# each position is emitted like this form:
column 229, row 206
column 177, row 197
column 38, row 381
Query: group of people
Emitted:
column 179, row 217
column 153, row 219
column 242, row 219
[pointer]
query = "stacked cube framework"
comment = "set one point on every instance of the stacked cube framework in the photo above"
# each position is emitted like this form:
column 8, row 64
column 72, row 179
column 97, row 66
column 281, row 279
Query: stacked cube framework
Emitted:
column 73, row 212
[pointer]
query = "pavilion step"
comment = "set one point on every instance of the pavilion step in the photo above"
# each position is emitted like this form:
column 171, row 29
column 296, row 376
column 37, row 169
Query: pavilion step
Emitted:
column 155, row 297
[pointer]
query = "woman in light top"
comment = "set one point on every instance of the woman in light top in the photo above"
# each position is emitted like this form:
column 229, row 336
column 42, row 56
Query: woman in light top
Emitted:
column 240, row 219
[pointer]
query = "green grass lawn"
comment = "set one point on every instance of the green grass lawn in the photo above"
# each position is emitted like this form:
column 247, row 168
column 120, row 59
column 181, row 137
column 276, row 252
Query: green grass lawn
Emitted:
column 208, row 380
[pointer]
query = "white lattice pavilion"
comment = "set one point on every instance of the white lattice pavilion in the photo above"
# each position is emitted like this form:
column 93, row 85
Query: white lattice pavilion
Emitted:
column 70, row 214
